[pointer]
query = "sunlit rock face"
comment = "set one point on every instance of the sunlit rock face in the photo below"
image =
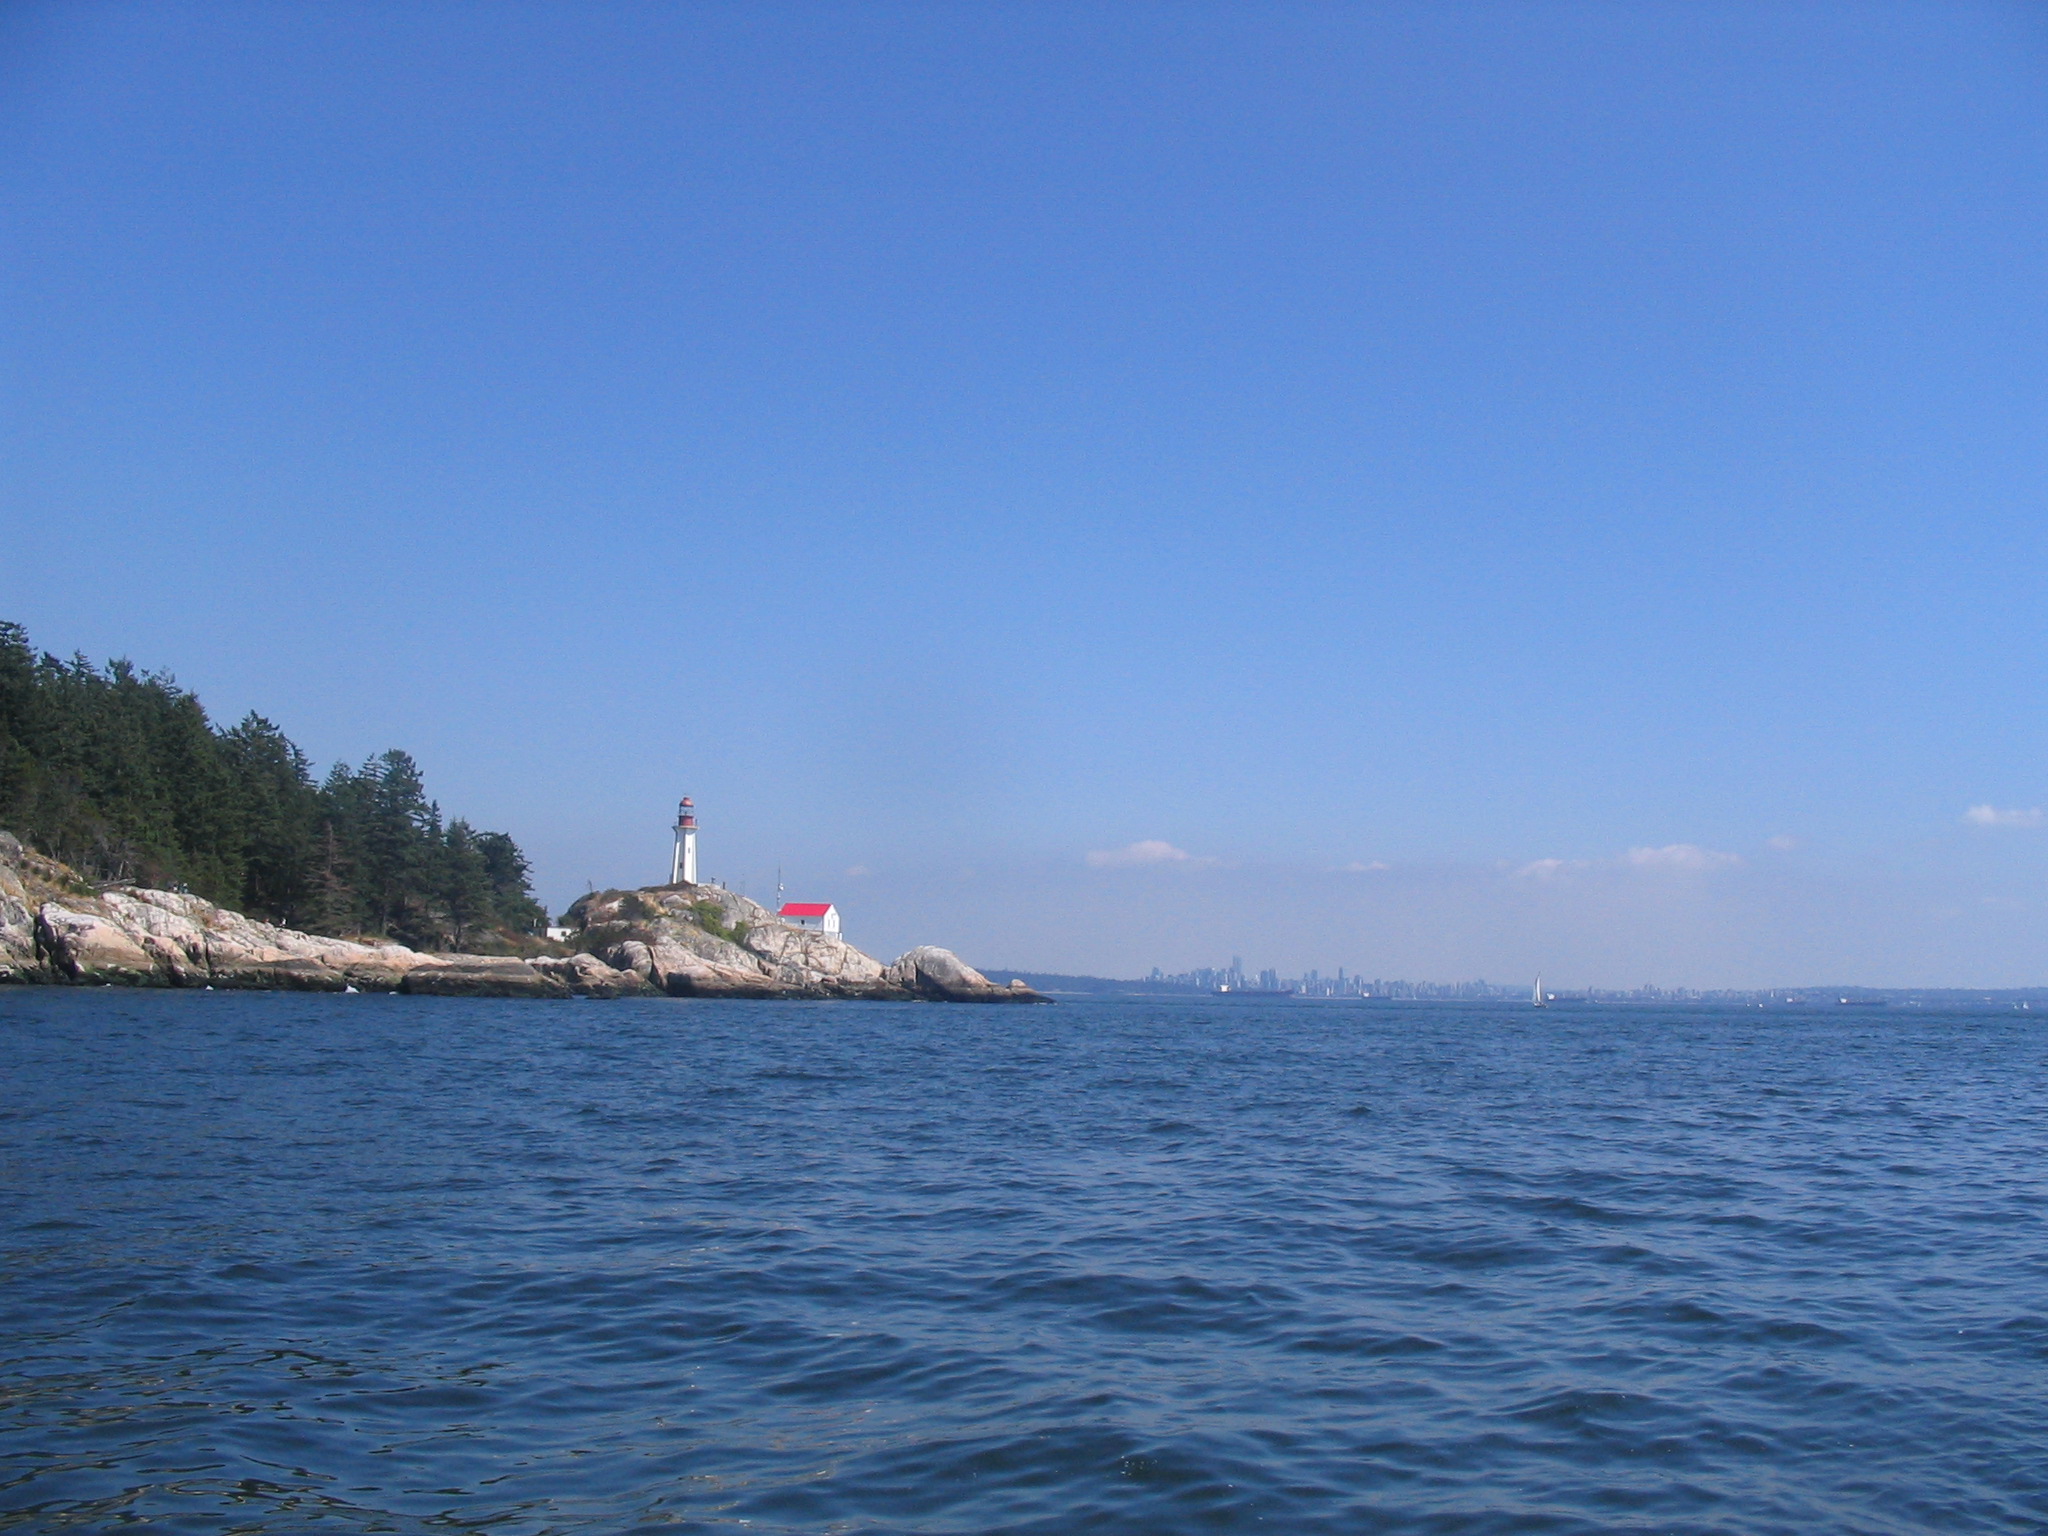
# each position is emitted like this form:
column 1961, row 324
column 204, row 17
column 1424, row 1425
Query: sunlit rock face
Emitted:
column 682, row 940
column 703, row 941
column 18, row 958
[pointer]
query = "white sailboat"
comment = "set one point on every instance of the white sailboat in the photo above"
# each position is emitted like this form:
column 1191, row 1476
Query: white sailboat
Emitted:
column 1536, row 995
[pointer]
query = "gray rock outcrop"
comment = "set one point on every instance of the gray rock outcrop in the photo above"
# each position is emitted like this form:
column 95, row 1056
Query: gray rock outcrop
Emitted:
column 18, row 959
column 942, row 976
column 681, row 941
column 703, row 941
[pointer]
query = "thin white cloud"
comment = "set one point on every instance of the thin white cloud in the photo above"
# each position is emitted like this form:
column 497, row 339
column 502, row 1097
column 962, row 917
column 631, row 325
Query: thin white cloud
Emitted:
column 1782, row 843
column 1150, row 851
column 1995, row 816
column 856, row 871
column 1363, row 869
column 1688, row 856
column 1676, row 856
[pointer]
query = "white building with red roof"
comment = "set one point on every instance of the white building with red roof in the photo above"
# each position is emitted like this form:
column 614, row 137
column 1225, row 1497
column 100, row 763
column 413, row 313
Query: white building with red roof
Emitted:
column 821, row 915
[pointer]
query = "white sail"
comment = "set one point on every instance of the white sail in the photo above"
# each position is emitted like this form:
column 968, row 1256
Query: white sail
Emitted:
column 1536, row 994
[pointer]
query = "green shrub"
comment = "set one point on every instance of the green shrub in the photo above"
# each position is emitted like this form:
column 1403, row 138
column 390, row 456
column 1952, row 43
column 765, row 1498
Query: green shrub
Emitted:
column 711, row 918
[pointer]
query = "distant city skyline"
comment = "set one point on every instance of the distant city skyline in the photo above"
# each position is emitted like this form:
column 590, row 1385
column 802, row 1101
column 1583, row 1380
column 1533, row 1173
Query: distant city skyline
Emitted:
column 1467, row 489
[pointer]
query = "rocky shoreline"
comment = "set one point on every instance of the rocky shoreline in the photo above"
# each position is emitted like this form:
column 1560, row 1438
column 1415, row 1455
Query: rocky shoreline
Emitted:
column 674, row 941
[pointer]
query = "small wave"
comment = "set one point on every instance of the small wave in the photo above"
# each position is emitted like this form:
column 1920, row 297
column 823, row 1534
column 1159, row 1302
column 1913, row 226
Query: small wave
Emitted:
column 1369, row 1345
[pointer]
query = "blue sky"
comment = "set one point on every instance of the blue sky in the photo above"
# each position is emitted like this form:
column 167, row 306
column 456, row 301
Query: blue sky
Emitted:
column 1496, row 443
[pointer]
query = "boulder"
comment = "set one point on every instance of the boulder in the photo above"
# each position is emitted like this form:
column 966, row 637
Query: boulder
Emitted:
column 635, row 957
column 681, row 971
column 941, row 975
column 589, row 976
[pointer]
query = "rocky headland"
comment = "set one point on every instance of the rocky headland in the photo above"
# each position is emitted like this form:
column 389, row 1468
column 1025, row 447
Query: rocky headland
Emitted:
column 675, row 940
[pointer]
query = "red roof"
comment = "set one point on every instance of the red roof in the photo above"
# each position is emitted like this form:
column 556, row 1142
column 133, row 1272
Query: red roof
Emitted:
column 804, row 909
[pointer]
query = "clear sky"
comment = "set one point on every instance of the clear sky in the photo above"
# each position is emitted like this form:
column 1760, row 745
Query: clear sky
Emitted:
column 1439, row 490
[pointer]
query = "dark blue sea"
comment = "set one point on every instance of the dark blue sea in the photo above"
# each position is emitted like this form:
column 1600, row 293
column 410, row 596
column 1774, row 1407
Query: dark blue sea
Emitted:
column 306, row 1263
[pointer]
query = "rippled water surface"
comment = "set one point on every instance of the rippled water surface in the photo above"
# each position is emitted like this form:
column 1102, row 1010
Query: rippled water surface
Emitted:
column 277, row 1263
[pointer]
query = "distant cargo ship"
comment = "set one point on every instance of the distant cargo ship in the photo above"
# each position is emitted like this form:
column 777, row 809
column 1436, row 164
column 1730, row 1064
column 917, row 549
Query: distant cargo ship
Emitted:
column 1227, row 991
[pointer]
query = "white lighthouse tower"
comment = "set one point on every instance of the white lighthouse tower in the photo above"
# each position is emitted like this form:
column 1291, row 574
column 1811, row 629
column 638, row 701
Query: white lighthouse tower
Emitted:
column 685, row 869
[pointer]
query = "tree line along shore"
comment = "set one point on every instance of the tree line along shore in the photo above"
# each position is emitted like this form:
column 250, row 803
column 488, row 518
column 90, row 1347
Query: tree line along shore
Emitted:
column 120, row 774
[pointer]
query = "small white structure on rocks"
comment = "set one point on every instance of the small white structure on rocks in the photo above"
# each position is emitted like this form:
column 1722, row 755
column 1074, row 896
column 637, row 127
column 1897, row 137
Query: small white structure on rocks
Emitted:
column 821, row 915
column 684, row 870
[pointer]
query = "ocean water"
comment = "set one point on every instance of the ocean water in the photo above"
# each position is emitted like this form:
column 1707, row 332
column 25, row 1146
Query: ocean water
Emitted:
column 306, row 1263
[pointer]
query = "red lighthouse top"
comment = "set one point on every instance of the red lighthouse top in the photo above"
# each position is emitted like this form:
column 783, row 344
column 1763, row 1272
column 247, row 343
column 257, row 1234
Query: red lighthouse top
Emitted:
column 685, row 815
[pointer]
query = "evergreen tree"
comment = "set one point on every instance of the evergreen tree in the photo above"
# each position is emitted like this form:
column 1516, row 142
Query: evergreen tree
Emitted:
column 280, row 817
column 511, row 888
column 398, row 840
column 465, row 884
column 334, row 908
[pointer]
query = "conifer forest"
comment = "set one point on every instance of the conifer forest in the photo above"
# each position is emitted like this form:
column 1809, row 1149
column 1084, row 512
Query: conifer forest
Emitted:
column 120, row 774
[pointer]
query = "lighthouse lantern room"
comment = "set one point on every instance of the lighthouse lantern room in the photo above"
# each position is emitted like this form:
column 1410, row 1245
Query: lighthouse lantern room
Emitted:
column 684, row 871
